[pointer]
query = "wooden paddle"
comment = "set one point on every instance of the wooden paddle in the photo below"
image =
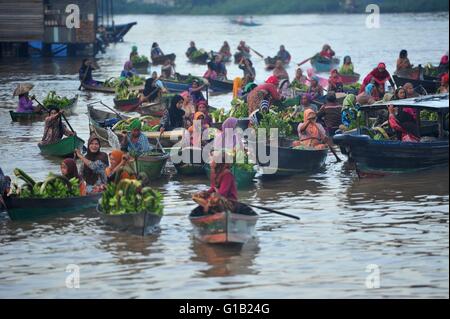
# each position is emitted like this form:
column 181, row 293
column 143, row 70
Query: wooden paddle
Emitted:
column 62, row 114
column 272, row 211
column 111, row 109
column 333, row 151
column 303, row 62
column 84, row 78
column 257, row 53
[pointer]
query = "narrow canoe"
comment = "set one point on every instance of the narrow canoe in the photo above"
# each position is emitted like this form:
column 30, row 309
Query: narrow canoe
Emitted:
column 142, row 67
column 29, row 208
column 188, row 161
column 63, row 148
column 163, row 58
column 201, row 59
column 130, row 105
column 226, row 227
column 142, row 223
column 117, row 32
column 218, row 86
column 324, row 66
column 40, row 116
column 109, row 90
column 154, row 109
column 244, row 179
column 270, row 63
column 152, row 165
column 245, row 24
column 182, row 84
column 175, row 86
column 97, row 124
column 430, row 86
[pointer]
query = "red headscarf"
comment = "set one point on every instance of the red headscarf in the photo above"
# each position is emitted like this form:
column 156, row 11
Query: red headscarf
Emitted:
column 334, row 77
column 273, row 80
column 444, row 78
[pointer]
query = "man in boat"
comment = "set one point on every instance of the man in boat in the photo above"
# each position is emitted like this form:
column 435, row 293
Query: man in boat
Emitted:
column 284, row 55
column 192, row 48
column 156, row 51
column 135, row 141
column 85, row 72
column 25, row 101
column 330, row 114
column 380, row 75
column 55, row 129
column 153, row 89
column 405, row 124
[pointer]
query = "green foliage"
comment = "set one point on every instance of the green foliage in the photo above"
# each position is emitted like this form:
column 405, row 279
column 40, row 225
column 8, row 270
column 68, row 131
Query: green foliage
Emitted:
column 428, row 116
column 139, row 59
column 124, row 125
column 129, row 197
column 219, row 116
column 239, row 109
column 352, row 87
column 274, row 120
column 55, row 100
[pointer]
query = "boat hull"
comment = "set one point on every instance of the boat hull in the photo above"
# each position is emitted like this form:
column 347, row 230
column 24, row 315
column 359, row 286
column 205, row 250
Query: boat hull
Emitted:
column 63, row 148
column 23, row 209
column 429, row 85
column 162, row 59
column 153, row 166
column 322, row 67
column 40, row 116
column 130, row 105
column 223, row 228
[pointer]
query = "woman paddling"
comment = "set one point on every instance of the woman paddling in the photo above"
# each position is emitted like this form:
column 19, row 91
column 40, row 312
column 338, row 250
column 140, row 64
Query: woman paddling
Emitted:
column 55, row 129
column 25, row 101
column 267, row 91
column 85, row 73
column 380, row 75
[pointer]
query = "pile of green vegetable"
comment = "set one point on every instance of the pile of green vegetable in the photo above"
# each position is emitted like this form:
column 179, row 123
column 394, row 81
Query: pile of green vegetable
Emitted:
column 299, row 86
column 239, row 109
column 124, row 125
column 352, row 87
column 55, row 100
column 122, row 82
column 197, row 54
column 128, row 197
column 292, row 115
column 428, row 116
column 124, row 93
column 54, row 186
column 242, row 162
column 219, row 116
column 139, row 59
column 274, row 120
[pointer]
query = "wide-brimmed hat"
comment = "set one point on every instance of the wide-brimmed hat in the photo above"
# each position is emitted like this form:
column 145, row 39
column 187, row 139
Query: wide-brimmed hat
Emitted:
column 23, row 88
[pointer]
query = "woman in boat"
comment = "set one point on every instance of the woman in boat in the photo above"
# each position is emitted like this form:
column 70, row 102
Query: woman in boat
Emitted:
column 156, row 51
column 55, row 129
column 69, row 170
column 117, row 162
column 410, row 92
column 246, row 66
column 153, row 89
column 284, row 55
column 220, row 68
column 267, row 91
column 347, row 66
column 280, row 72
column 202, row 107
column 225, row 50
column 349, row 114
column 327, row 52
column 311, row 134
column 134, row 53
column 135, row 142
column 85, row 73
column 210, row 74
column 228, row 139
column 128, row 70
column 173, row 117
column 94, row 164
column 192, row 48
column 195, row 91
column 380, row 75
column 335, row 82
column 167, row 70
column 257, row 116
column 285, row 89
column 444, row 84
column 244, row 49
column 400, row 93
column 299, row 80
column 223, row 194
column 25, row 101
column 315, row 89
column 199, row 124
column 188, row 107
column 305, row 102
column 369, row 96
column 403, row 62
column 443, row 64
column 404, row 124
column 330, row 114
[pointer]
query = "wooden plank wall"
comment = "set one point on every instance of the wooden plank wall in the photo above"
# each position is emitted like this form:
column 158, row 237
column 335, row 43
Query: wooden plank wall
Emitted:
column 21, row 20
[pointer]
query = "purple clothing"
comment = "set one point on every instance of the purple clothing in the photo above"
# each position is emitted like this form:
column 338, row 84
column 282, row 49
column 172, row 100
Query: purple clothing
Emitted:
column 25, row 105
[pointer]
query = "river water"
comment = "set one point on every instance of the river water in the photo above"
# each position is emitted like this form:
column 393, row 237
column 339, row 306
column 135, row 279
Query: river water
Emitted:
column 349, row 229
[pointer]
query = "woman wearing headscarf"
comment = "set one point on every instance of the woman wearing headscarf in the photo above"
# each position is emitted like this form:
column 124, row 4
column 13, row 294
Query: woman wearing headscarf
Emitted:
column 327, row 52
column 280, row 72
column 85, row 73
column 135, row 142
column 94, row 164
column 247, row 67
column 195, row 92
column 405, row 124
column 368, row 96
column 196, row 130
column 69, row 170
column 380, row 75
column 25, row 101
column 349, row 112
column 117, row 161
column 5, row 184
column 156, row 51
column 347, row 66
column 311, row 134
column 267, row 91
column 152, row 89
column 134, row 53
column 285, row 89
column 173, row 117
column 444, row 84
column 128, row 70
column 55, row 129
column 299, row 79
column 315, row 89
column 335, row 82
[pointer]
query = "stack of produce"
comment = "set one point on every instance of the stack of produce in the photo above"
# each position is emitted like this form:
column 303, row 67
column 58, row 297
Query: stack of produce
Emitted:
column 149, row 124
column 239, row 109
column 139, row 59
column 57, row 101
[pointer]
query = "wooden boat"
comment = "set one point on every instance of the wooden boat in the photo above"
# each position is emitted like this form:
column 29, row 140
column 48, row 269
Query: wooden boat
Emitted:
column 245, row 23
column 350, row 78
column 394, row 156
column 108, row 90
column 271, row 62
column 142, row 67
column 199, row 59
column 63, row 148
column 225, row 227
column 175, row 85
column 141, row 223
column 430, row 86
column 218, row 86
column 130, row 105
column 29, row 208
column 158, row 60
column 152, row 165
column 117, row 32
column 97, row 119
column 154, row 109
column 290, row 161
column 182, row 84
column 40, row 116
column 322, row 65
column 244, row 179
column 225, row 59
column 238, row 57
column 189, row 161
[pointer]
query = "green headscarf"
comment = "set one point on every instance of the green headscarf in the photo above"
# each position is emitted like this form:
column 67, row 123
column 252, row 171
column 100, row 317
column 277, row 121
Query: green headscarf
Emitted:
column 135, row 124
column 349, row 101
column 134, row 49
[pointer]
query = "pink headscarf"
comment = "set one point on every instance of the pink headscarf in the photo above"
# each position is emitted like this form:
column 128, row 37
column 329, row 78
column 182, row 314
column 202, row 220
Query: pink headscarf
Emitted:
column 227, row 140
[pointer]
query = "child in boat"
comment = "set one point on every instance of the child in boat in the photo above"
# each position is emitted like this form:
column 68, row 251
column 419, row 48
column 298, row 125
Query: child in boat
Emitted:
column 203, row 108
column 405, row 124
column 347, row 66
column 223, row 195
column 311, row 134
column 55, row 129
column 69, row 170
column 25, row 101
column 335, row 82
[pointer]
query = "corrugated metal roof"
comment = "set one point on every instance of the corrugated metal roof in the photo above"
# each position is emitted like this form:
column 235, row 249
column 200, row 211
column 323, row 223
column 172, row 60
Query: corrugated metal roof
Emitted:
column 436, row 102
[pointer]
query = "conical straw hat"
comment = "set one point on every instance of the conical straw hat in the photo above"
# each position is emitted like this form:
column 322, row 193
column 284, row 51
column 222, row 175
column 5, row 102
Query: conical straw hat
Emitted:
column 23, row 88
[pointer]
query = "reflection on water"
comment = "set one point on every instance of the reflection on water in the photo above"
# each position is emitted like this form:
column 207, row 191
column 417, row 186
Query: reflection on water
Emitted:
column 398, row 222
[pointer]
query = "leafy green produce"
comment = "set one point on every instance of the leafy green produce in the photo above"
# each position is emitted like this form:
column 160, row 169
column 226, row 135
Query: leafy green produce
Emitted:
column 124, row 93
column 139, row 59
column 239, row 109
column 149, row 124
column 428, row 116
column 54, row 186
column 55, row 100
column 352, row 87
column 242, row 162
column 197, row 54
column 219, row 116
column 299, row 86
column 129, row 197
column 274, row 120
